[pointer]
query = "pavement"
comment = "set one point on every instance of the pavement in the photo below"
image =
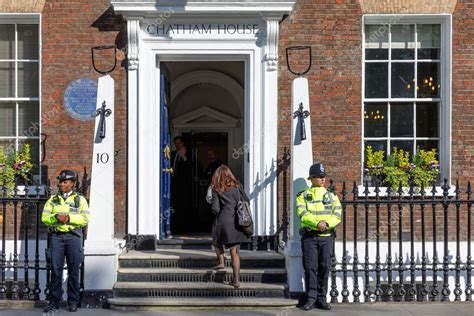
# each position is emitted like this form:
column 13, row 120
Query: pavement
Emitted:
column 369, row 309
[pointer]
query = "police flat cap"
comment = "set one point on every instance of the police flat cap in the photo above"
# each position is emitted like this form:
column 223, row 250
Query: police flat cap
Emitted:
column 67, row 175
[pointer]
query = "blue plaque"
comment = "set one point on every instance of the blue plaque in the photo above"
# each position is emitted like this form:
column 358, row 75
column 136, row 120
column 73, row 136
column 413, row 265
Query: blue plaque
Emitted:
column 80, row 99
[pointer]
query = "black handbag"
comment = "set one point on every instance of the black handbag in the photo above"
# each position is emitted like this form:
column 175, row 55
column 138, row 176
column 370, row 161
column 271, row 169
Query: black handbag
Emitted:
column 244, row 215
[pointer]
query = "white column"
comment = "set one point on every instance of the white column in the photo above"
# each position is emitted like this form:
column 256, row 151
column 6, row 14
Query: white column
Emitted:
column 301, row 160
column 268, row 133
column 133, row 27
column 149, row 144
column 100, row 250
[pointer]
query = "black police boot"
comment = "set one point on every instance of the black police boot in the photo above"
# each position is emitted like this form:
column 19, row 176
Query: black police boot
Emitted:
column 51, row 308
column 72, row 308
column 323, row 305
column 309, row 305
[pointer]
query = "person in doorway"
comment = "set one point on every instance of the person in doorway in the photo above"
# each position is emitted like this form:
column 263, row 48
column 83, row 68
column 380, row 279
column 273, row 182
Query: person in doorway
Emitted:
column 181, row 185
column 320, row 213
column 225, row 230
column 65, row 214
column 213, row 163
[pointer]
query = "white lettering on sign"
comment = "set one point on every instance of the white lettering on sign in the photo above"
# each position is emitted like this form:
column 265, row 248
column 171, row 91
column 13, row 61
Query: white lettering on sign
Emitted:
column 202, row 29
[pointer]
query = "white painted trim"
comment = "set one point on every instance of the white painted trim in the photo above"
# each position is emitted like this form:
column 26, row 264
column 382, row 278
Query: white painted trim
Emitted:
column 187, row 7
column 445, row 20
column 260, row 104
column 224, row 119
column 133, row 128
column 208, row 76
column 34, row 19
column 22, row 18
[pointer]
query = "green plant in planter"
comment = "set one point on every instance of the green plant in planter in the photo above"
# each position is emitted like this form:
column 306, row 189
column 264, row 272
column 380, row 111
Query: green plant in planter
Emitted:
column 424, row 167
column 7, row 174
column 23, row 165
column 374, row 165
column 396, row 168
column 14, row 166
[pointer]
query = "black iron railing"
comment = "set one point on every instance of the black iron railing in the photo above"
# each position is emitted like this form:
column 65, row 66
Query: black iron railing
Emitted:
column 21, row 228
column 409, row 244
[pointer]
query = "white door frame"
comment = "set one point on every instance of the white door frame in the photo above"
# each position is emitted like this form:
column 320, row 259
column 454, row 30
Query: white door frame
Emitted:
column 260, row 115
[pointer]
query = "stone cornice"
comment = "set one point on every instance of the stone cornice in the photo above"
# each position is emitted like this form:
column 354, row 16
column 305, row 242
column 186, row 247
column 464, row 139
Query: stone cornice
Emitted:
column 148, row 8
column 407, row 7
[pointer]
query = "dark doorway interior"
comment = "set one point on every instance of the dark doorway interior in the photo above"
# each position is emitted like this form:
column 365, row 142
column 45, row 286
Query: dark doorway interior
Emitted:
column 198, row 218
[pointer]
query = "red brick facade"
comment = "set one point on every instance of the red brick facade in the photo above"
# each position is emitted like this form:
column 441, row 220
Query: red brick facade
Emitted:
column 333, row 28
column 69, row 30
column 463, row 92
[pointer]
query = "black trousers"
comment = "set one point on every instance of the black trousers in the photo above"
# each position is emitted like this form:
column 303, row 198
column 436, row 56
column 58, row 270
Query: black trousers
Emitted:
column 66, row 246
column 317, row 252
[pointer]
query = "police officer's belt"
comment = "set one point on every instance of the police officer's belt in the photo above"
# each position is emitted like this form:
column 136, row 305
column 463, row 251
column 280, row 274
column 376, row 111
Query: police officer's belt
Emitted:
column 314, row 233
column 76, row 232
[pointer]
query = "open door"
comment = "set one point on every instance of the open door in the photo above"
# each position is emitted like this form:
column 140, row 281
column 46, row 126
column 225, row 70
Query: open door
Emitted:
column 165, row 145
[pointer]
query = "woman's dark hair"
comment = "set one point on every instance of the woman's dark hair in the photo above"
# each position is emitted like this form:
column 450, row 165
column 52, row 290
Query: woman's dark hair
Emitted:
column 223, row 179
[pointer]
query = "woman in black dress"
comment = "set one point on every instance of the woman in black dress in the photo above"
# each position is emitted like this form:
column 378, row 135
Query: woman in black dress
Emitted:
column 225, row 231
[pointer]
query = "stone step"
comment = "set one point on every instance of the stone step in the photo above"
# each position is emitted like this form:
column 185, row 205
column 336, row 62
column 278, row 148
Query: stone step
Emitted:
column 197, row 289
column 199, row 275
column 219, row 303
column 197, row 258
column 185, row 243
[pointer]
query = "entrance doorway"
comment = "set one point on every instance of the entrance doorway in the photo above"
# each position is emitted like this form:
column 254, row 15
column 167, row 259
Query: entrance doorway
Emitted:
column 205, row 106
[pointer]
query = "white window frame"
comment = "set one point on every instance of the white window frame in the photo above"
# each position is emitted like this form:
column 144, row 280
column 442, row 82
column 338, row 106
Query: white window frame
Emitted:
column 25, row 18
column 445, row 20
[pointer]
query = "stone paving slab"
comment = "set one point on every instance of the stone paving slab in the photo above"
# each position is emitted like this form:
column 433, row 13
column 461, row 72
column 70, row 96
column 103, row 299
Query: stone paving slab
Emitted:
column 197, row 285
column 167, row 254
column 371, row 309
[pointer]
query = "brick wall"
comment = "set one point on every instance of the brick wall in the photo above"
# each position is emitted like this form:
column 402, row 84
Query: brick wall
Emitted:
column 70, row 29
column 463, row 92
column 16, row 6
column 333, row 29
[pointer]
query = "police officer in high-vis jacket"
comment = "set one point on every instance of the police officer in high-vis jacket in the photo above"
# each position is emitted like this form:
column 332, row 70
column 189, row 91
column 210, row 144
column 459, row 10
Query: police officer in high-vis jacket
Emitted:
column 65, row 214
column 320, row 213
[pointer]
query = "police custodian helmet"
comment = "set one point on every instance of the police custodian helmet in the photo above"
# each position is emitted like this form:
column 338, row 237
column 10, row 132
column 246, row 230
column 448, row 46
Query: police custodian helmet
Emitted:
column 316, row 170
column 67, row 175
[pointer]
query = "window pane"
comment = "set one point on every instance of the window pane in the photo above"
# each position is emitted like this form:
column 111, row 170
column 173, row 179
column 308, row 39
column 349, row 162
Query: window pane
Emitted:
column 7, row 79
column 403, row 42
column 376, row 146
column 405, row 145
column 34, row 151
column 429, row 41
column 376, row 80
column 427, row 119
column 401, row 120
column 28, row 79
column 376, row 42
column 428, row 145
column 375, row 120
column 7, row 41
column 28, row 119
column 28, row 41
column 8, row 145
column 7, row 119
column 428, row 80
column 403, row 77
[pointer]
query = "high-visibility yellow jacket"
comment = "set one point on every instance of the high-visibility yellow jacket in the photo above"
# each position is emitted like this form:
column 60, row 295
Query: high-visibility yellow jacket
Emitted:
column 75, row 206
column 317, row 204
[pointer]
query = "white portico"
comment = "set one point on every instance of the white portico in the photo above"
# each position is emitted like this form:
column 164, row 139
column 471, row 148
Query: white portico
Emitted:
column 167, row 31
